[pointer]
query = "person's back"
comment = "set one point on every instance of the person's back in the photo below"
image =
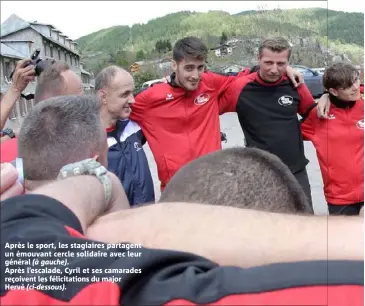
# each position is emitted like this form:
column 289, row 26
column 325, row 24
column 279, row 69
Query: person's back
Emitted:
column 240, row 177
column 60, row 131
column 339, row 140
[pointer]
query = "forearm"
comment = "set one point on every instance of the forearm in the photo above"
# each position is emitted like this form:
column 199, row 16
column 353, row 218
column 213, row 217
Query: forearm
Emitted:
column 81, row 194
column 232, row 236
column 7, row 104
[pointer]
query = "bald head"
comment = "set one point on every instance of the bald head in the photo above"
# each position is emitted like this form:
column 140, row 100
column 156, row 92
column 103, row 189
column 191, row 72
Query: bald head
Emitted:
column 240, row 177
column 105, row 77
column 114, row 87
column 57, row 80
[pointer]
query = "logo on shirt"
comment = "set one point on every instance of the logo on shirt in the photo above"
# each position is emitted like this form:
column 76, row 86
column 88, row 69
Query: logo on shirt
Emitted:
column 169, row 97
column 360, row 124
column 331, row 117
column 202, row 99
column 285, row 100
column 137, row 146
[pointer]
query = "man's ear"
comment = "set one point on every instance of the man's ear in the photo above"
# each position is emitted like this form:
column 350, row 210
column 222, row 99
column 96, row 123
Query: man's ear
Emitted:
column 102, row 96
column 333, row 92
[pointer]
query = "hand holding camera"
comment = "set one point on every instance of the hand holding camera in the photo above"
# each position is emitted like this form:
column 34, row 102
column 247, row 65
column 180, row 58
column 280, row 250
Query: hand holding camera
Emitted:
column 23, row 74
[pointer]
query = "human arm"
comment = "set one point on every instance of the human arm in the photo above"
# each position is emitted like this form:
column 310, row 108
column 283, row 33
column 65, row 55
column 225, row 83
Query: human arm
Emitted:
column 142, row 103
column 21, row 78
column 324, row 105
column 306, row 99
column 92, row 204
column 216, row 232
column 286, row 238
column 308, row 123
column 295, row 76
column 159, row 277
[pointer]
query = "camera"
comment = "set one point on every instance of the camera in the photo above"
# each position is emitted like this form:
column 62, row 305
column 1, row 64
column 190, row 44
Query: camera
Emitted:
column 37, row 62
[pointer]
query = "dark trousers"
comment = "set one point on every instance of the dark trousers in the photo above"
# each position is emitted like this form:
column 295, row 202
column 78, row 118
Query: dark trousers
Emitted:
column 348, row 209
column 303, row 180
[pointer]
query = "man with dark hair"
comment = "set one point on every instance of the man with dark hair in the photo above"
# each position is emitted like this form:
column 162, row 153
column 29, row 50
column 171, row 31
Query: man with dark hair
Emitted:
column 267, row 106
column 126, row 158
column 339, row 140
column 57, row 80
column 60, row 131
column 239, row 177
column 180, row 119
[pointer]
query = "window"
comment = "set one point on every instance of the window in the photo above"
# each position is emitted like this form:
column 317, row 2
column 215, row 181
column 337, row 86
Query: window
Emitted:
column 45, row 49
column 51, row 49
column 65, row 57
column 71, row 60
column 59, row 54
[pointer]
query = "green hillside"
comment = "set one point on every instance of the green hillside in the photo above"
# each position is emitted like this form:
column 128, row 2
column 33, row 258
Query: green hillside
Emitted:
column 339, row 30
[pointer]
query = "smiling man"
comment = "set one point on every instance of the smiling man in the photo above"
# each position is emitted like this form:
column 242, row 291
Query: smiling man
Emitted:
column 267, row 105
column 126, row 157
column 180, row 119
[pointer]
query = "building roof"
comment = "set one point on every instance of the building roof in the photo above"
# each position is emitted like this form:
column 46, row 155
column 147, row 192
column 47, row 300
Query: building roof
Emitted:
column 15, row 23
column 40, row 23
column 15, row 40
column 10, row 52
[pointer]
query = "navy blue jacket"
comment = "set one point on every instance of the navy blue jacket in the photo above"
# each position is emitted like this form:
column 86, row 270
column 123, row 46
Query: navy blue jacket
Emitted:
column 128, row 161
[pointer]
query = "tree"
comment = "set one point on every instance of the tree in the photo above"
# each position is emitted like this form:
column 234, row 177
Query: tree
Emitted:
column 140, row 55
column 159, row 46
column 224, row 38
column 143, row 76
column 168, row 45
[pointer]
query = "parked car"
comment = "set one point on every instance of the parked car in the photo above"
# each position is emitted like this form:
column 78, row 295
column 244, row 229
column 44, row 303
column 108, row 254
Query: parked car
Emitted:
column 313, row 79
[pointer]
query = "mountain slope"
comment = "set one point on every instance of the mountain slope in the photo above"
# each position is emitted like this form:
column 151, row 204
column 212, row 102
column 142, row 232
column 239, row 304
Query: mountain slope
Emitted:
column 341, row 26
column 340, row 31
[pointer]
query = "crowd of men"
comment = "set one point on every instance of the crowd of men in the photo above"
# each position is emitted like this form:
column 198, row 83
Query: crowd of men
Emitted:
column 85, row 167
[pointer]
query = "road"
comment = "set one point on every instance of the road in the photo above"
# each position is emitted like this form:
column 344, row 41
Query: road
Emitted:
column 230, row 126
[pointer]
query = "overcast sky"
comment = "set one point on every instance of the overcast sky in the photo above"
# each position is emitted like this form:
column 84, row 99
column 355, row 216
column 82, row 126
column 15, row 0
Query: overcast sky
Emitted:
column 79, row 18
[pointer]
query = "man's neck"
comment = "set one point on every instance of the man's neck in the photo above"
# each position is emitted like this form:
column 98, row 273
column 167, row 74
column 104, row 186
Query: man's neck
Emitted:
column 107, row 120
column 263, row 77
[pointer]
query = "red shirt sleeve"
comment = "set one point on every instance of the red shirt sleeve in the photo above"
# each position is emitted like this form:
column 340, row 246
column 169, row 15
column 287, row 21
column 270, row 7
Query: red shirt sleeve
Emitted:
column 228, row 101
column 306, row 98
column 308, row 125
column 140, row 106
